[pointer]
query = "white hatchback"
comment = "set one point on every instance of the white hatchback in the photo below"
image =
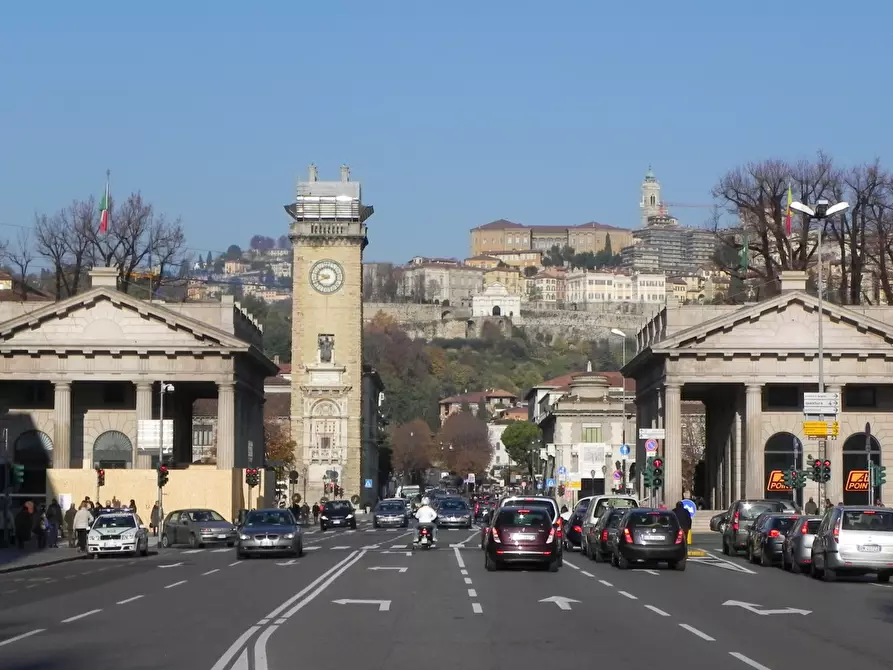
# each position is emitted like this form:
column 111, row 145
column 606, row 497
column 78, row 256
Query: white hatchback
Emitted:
column 118, row 533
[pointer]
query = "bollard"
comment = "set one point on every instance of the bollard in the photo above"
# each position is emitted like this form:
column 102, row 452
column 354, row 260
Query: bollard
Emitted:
column 688, row 539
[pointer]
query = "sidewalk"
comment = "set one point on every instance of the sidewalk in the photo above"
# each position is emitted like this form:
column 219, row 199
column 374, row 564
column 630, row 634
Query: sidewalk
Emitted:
column 12, row 560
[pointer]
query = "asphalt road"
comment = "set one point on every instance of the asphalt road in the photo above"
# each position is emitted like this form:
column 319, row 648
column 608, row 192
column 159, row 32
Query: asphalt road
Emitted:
column 363, row 599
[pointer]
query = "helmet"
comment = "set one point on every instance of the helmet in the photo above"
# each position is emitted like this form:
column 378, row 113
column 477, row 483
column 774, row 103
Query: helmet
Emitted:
column 425, row 501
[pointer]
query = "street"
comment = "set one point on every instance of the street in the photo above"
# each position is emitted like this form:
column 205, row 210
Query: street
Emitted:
column 363, row 598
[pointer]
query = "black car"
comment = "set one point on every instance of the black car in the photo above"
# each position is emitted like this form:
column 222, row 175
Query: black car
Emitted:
column 767, row 536
column 649, row 536
column 390, row 513
column 573, row 534
column 337, row 514
column 603, row 535
column 453, row 513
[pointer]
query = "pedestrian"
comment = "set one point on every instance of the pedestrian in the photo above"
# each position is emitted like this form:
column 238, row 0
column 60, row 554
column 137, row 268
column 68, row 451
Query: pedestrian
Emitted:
column 315, row 512
column 69, row 525
column 810, row 507
column 154, row 519
column 305, row 513
column 683, row 517
column 41, row 524
column 54, row 516
column 23, row 526
column 132, row 506
column 828, row 504
column 83, row 519
column 878, row 503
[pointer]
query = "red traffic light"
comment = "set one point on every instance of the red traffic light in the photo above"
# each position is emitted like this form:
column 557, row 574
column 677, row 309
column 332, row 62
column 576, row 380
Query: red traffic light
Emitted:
column 101, row 472
column 162, row 468
column 827, row 464
column 817, row 463
column 658, row 462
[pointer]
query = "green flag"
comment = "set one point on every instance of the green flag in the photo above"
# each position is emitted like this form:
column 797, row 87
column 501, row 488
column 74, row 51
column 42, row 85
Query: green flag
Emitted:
column 744, row 256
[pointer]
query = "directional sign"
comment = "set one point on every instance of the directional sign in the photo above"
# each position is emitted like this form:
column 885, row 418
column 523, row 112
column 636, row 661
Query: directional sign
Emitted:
column 367, row 484
column 539, row 486
column 821, row 428
column 387, row 567
column 562, row 602
column 624, row 450
column 550, row 483
column 383, row 605
column 821, row 403
column 617, row 475
column 753, row 607
column 690, row 507
column 651, row 446
column 652, row 434
column 172, row 565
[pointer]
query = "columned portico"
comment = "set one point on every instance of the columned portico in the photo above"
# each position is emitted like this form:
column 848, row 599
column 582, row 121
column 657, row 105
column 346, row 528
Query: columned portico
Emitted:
column 673, row 443
column 226, row 425
column 753, row 458
column 834, row 452
column 141, row 457
column 62, row 425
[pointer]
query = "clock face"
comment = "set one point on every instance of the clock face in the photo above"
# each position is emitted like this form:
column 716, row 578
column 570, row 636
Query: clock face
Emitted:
column 326, row 276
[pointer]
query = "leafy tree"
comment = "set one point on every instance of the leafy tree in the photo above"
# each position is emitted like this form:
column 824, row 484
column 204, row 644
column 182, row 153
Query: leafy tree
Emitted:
column 465, row 407
column 209, row 261
column 262, row 243
column 483, row 413
column 531, row 271
column 283, row 242
column 278, row 445
column 522, row 441
column 411, row 447
column 469, row 445
column 233, row 252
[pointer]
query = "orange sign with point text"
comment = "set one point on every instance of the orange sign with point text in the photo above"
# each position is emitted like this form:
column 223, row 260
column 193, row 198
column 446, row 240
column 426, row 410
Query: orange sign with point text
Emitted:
column 776, row 481
column 857, row 480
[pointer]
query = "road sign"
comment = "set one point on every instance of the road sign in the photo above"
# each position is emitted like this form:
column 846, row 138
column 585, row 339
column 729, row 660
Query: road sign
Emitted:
column 550, row 483
column 651, row 446
column 821, row 429
column 652, row 434
column 821, row 403
column 539, row 486
column 624, row 450
column 367, row 484
column 617, row 475
column 562, row 470
column 690, row 507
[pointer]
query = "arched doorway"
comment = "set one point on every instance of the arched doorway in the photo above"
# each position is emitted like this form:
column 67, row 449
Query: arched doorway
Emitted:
column 34, row 449
column 497, row 311
column 113, row 450
column 855, row 469
column 782, row 451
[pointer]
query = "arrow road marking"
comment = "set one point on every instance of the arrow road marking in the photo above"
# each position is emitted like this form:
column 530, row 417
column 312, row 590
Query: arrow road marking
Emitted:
column 562, row 602
column 372, row 546
column 383, row 605
column 172, row 565
column 753, row 607
column 389, row 568
column 291, row 562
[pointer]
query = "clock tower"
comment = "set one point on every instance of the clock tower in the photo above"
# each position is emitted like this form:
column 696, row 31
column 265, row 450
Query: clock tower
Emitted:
column 328, row 233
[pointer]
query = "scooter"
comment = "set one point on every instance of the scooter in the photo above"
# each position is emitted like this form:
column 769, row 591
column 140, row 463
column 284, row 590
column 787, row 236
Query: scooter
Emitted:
column 426, row 539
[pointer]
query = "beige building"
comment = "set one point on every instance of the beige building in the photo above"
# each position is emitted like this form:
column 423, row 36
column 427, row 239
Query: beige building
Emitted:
column 550, row 285
column 583, row 287
column 441, row 281
column 494, row 399
column 750, row 366
column 508, row 277
column 503, row 235
column 532, row 258
column 483, row 262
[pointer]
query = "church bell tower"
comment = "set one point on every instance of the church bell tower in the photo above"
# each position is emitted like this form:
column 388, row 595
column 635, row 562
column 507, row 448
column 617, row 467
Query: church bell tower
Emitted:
column 650, row 203
column 328, row 233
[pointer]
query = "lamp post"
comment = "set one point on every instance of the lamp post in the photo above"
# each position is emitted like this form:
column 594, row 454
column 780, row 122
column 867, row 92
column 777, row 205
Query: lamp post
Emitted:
column 823, row 210
column 163, row 388
column 619, row 333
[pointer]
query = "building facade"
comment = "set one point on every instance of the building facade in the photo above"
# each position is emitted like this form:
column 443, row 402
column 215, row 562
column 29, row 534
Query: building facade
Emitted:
column 602, row 287
column 508, row 236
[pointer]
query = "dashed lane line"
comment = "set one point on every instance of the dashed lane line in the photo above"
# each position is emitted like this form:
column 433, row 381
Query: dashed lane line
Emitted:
column 210, row 572
column 627, row 594
column 695, row 631
column 749, row 661
column 76, row 617
column 477, row 609
column 21, row 637
column 128, row 600
column 656, row 610
column 170, row 586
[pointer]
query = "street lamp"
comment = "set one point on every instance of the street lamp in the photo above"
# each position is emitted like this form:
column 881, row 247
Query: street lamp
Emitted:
column 163, row 388
column 619, row 333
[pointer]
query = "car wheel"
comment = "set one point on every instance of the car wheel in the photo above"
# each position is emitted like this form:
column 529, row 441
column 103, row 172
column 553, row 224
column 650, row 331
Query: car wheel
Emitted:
column 146, row 548
column 241, row 556
column 614, row 560
column 828, row 574
column 765, row 561
column 165, row 541
column 553, row 566
column 725, row 547
column 750, row 557
column 322, row 528
column 814, row 572
column 795, row 567
column 230, row 544
column 678, row 565
column 622, row 562
column 597, row 556
column 374, row 524
column 353, row 526
column 490, row 564
column 883, row 577
column 193, row 541
column 300, row 550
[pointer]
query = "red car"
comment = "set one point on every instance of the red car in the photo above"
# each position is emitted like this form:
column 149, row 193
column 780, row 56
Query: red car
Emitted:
column 522, row 535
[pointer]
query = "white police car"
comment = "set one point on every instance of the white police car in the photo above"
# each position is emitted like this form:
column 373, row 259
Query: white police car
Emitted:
column 118, row 533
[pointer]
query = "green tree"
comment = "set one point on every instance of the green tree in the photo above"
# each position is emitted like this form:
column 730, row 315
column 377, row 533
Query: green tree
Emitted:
column 522, row 441
column 233, row 252
column 209, row 261
column 483, row 413
column 531, row 271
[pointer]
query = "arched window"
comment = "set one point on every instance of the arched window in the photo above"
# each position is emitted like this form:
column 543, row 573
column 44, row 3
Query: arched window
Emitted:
column 782, row 451
column 113, row 450
column 854, row 470
column 34, row 449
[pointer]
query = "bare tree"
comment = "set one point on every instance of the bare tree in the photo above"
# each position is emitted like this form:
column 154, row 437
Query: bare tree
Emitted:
column 20, row 256
column 694, row 443
column 64, row 239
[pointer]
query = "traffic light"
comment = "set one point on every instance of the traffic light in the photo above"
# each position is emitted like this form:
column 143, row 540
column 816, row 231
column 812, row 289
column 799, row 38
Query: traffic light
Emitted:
column 100, row 477
column 826, row 470
column 817, row 470
column 800, row 480
column 252, row 477
column 879, row 473
column 162, row 476
column 561, row 490
column 657, row 475
column 293, row 477
column 648, row 474
column 18, row 474
column 788, row 479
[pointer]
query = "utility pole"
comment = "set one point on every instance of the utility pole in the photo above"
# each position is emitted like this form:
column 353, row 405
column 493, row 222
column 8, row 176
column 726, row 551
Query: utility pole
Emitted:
column 870, row 464
column 162, row 389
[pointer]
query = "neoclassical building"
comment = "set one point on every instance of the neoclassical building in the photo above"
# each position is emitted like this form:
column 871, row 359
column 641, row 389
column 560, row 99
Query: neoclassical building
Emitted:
column 79, row 377
column 750, row 365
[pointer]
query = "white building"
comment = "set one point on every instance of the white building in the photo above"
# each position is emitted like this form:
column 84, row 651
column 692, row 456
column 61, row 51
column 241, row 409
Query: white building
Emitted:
column 500, row 455
column 425, row 280
column 599, row 287
column 281, row 269
column 496, row 301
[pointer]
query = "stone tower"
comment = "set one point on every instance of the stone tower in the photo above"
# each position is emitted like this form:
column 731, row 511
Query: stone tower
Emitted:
column 328, row 233
column 650, row 204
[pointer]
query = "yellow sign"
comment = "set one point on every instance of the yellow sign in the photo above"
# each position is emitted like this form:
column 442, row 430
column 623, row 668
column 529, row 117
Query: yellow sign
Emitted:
column 574, row 485
column 821, row 428
column 857, row 480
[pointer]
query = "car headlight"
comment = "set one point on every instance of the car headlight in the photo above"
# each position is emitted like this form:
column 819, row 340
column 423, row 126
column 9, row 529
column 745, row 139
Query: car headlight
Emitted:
column 349, row 516
column 129, row 535
column 324, row 517
column 244, row 537
column 289, row 536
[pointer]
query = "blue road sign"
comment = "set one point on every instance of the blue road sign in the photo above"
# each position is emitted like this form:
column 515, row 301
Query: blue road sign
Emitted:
column 367, row 484
column 550, row 483
column 650, row 445
column 690, row 507
column 624, row 450
column 539, row 485
column 562, row 470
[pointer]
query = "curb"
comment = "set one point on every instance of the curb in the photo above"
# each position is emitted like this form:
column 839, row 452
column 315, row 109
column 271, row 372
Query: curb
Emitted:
column 42, row 564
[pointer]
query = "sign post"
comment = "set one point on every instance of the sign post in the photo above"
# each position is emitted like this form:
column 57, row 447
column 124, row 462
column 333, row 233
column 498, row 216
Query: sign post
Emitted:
column 821, row 405
column 870, row 466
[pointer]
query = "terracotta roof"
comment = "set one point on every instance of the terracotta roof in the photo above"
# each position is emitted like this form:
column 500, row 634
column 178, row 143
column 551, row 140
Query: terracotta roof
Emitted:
column 483, row 257
column 514, row 413
column 276, row 381
column 499, row 224
column 276, row 406
column 477, row 396
column 615, row 380
column 595, row 225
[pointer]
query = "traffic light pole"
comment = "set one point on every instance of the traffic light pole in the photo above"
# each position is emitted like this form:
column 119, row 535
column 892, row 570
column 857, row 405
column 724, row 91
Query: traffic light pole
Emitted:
column 7, row 485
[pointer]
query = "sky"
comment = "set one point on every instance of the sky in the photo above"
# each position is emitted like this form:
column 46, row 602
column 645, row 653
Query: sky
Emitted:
column 451, row 115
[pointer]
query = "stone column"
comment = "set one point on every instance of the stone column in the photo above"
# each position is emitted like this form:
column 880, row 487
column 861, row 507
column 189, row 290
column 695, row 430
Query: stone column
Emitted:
column 834, row 453
column 142, row 457
column 672, row 443
column 226, row 425
column 62, row 425
column 737, row 448
column 755, row 485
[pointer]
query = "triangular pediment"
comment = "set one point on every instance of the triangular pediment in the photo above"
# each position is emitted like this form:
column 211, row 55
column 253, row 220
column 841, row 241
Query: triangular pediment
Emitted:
column 104, row 318
column 788, row 322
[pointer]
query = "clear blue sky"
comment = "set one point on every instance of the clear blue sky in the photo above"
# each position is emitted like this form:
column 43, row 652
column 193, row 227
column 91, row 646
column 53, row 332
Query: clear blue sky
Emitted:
column 451, row 114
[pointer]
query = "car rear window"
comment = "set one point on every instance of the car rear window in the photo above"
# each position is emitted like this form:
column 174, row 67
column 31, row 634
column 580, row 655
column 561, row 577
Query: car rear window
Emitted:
column 541, row 503
column 614, row 519
column 616, row 503
column 395, row 508
column 783, row 523
column 453, row 505
column 874, row 521
column 338, row 506
column 640, row 520
column 531, row 517
column 750, row 511
column 812, row 527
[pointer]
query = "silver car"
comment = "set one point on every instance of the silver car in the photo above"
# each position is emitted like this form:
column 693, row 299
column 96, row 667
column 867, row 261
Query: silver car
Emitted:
column 854, row 540
column 270, row 531
column 796, row 551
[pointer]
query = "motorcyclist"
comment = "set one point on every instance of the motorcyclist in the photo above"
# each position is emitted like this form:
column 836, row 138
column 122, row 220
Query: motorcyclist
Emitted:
column 426, row 516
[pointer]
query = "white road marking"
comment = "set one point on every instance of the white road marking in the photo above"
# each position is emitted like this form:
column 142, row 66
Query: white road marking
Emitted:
column 223, row 661
column 695, row 631
column 588, row 574
column 340, row 546
column 170, row 586
column 392, row 530
column 627, row 594
column 883, row 586
column 232, row 565
column 128, row 600
column 311, row 548
column 371, row 530
column 348, row 532
column 260, row 648
column 602, row 581
column 280, row 621
column 276, row 612
column 21, row 637
column 398, row 546
column 464, row 571
column 656, row 610
column 193, row 551
column 468, row 580
column 372, row 546
column 476, row 608
column 221, row 551
column 263, row 622
column 472, row 593
column 568, row 563
column 459, row 558
column 749, row 661
column 79, row 616
column 210, row 572
column 650, row 572
column 322, row 587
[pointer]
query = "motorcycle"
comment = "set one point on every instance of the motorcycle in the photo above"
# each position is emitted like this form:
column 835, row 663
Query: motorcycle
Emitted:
column 426, row 538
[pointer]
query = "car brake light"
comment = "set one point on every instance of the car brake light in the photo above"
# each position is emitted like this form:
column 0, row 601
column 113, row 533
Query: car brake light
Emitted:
column 523, row 511
column 805, row 529
column 577, row 529
column 735, row 521
column 551, row 537
column 773, row 533
column 627, row 536
column 837, row 532
column 495, row 535
column 604, row 536
column 868, row 511
column 679, row 537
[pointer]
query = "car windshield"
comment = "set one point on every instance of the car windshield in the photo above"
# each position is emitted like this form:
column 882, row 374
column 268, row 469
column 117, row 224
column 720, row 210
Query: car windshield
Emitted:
column 751, row 510
column 205, row 515
column 874, row 521
column 338, row 506
column 395, row 508
column 270, row 518
column 452, row 505
column 616, row 503
column 529, row 517
column 115, row 521
column 647, row 520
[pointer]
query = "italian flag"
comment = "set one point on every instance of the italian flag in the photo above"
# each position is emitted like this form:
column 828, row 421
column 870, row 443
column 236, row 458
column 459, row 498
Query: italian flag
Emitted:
column 104, row 210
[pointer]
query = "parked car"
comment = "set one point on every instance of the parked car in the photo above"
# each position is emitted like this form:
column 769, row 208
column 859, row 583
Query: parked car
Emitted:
column 197, row 527
column 797, row 548
column 854, row 540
